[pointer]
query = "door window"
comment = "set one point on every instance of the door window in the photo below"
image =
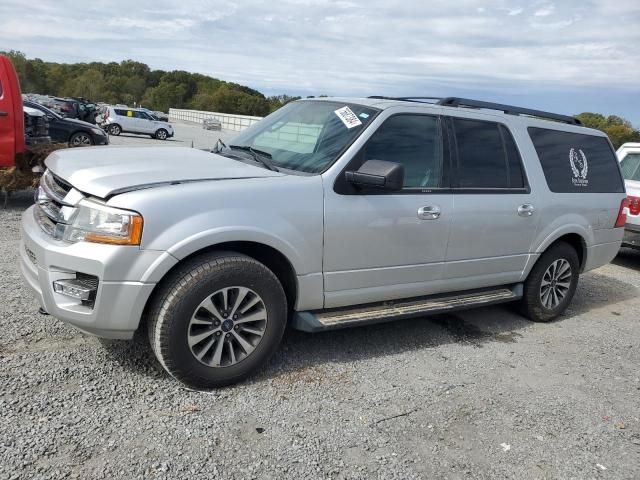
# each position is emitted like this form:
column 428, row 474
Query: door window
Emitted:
column 488, row 157
column 415, row 142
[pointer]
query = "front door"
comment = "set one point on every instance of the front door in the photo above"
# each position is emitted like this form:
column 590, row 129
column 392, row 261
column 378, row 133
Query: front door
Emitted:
column 496, row 215
column 382, row 245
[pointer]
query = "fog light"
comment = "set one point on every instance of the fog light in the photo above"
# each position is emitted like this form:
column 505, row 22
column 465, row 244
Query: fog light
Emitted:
column 74, row 288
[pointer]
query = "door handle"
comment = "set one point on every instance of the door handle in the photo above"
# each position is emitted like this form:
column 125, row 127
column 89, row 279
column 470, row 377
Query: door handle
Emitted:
column 526, row 210
column 430, row 212
column 3, row 114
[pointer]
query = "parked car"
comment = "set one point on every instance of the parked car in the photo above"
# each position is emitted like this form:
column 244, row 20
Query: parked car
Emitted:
column 328, row 213
column 75, row 133
column 629, row 156
column 36, row 126
column 211, row 123
column 134, row 120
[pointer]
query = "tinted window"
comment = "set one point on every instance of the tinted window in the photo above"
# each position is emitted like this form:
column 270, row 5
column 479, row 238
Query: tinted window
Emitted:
column 575, row 162
column 141, row 115
column 631, row 166
column 122, row 113
column 414, row 141
column 482, row 155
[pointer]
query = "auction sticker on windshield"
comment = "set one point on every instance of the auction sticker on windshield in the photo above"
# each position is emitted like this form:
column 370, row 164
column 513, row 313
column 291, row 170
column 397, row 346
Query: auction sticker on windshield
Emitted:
column 347, row 116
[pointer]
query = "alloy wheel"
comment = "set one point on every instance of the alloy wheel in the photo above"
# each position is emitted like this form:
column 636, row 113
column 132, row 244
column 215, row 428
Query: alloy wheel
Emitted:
column 227, row 326
column 555, row 284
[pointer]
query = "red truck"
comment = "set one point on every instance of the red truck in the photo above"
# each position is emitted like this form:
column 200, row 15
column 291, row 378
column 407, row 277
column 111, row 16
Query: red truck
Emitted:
column 12, row 144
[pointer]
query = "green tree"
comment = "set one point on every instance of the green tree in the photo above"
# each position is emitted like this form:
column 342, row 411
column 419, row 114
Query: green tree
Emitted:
column 617, row 128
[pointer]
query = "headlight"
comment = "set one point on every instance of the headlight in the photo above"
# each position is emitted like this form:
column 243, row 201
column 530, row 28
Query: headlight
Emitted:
column 93, row 222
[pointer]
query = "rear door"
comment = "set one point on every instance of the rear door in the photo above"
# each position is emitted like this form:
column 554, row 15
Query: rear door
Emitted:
column 11, row 115
column 495, row 214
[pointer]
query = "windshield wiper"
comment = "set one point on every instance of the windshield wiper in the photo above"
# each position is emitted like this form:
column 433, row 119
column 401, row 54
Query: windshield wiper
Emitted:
column 259, row 156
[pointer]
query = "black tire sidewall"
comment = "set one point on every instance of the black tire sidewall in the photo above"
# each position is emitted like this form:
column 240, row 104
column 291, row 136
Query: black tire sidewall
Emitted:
column 113, row 128
column 81, row 133
column 166, row 134
column 535, row 309
column 250, row 274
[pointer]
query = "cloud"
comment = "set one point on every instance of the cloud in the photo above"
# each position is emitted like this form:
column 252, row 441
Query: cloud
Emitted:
column 351, row 47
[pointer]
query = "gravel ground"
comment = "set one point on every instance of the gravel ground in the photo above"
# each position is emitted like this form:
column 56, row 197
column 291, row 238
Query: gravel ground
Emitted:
column 186, row 135
column 480, row 394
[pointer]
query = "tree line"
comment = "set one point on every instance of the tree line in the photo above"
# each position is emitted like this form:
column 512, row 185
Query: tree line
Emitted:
column 130, row 82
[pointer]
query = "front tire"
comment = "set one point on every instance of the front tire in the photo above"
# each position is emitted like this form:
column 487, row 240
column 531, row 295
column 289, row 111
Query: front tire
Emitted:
column 162, row 134
column 217, row 320
column 80, row 139
column 551, row 284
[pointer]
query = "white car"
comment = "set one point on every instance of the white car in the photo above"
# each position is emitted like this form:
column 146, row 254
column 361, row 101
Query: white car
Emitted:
column 629, row 157
column 116, row 120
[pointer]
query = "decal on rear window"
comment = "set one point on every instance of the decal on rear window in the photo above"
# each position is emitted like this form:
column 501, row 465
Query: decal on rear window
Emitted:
column 577, row 162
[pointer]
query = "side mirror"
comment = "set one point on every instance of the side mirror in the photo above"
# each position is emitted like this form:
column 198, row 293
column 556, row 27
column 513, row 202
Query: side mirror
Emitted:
column 378, row 174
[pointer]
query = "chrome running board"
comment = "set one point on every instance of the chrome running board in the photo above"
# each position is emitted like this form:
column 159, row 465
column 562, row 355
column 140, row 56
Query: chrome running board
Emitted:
column 394, row 310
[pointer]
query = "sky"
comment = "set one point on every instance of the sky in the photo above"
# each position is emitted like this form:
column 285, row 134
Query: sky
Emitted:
column 566, row 56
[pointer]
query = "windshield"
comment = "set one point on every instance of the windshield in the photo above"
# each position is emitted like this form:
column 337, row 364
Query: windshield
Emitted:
column 306, row 135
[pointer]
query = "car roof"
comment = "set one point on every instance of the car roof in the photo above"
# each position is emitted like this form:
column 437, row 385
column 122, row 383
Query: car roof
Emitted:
column 497, row 115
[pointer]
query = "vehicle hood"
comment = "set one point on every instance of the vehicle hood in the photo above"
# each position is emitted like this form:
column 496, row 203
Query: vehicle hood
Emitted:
column 79, row 123
column 107, row 171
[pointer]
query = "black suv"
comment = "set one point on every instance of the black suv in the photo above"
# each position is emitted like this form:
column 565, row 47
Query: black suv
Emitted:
column 75, row 133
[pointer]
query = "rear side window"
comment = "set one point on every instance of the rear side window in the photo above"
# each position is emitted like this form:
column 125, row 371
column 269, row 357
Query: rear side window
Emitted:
column 574, row 162
column 487, row 156
column 631, row 166
column 122, row 113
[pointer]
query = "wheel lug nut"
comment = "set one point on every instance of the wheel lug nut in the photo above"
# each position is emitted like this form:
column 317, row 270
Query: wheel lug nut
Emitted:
column 237, row 327
column 235, row 317
column 228, row 335
column 218, row 334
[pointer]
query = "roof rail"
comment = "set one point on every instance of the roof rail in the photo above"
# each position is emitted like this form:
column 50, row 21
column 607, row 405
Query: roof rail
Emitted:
column 407, row 99
column 508, row 109
column 466, row 102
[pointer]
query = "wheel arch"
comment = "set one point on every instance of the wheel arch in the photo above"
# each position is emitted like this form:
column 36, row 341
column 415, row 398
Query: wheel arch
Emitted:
column 576, row 240
column 272, row 258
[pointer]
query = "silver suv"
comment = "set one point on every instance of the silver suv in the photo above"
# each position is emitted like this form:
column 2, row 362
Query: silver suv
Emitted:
column 116, row 120
column 328, row 213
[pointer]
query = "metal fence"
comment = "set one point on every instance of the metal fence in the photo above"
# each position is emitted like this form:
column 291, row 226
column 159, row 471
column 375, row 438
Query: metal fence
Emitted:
column 229, row 122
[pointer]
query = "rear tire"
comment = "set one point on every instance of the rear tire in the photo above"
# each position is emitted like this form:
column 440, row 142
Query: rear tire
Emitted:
column 114, row 129
column 551, row 284
column 217, row 319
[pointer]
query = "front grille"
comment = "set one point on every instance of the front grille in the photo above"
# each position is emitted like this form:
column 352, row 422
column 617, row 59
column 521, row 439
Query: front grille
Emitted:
column 53, row 209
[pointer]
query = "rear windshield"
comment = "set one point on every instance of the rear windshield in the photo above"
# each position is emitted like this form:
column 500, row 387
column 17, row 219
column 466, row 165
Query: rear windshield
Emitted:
column 574, row 162
column 631, row 166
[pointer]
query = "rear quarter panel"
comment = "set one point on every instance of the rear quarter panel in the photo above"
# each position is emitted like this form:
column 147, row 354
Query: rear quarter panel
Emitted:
column 590, row 215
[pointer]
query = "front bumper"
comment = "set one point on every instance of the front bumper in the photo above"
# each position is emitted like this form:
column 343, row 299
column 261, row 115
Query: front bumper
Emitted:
column 120, row 297
column 101, row 139
column 631, row 236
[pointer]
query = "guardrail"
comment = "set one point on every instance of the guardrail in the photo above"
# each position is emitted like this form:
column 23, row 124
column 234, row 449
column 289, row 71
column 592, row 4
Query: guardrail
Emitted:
column 228, row 121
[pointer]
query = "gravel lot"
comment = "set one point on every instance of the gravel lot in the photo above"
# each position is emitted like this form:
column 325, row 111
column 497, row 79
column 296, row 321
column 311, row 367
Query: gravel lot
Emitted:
column 480, row 394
